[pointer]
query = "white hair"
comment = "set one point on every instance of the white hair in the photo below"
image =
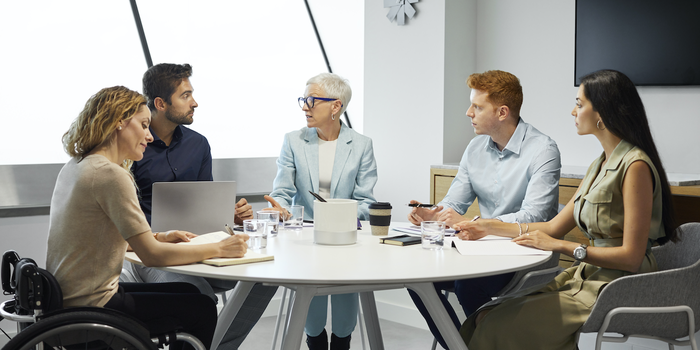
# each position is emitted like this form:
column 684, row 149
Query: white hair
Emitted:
column 334, row 86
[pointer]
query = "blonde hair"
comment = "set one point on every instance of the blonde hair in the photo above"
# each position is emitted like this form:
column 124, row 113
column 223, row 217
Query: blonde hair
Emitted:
column 99, row 119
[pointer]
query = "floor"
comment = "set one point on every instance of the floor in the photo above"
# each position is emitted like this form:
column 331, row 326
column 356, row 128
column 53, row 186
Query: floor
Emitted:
column 395, row 335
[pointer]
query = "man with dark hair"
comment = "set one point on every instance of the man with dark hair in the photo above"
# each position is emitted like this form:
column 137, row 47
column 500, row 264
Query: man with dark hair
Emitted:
column 178, row 153
column 511, row 167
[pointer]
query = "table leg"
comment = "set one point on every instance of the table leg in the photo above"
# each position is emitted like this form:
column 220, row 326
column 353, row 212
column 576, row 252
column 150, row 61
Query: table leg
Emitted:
column 369, row 309
column 427, row 294
column 297, row 319
column 230, row 310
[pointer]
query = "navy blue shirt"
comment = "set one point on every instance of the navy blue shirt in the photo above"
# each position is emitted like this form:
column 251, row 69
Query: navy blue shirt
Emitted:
column 188, row 158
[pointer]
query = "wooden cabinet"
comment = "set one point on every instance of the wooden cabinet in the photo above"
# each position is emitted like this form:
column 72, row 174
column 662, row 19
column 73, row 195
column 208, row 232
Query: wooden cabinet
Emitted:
column 686, row 200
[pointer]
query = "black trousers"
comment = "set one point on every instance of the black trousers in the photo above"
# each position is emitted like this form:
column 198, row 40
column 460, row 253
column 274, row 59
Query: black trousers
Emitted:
column 165, row 307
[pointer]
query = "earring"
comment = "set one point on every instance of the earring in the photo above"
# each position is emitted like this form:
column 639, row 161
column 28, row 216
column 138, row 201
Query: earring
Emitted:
column 119, row 128
column 597, row 125
column 332, row 116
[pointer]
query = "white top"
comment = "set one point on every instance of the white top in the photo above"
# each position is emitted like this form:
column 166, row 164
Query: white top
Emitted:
column 326, row 157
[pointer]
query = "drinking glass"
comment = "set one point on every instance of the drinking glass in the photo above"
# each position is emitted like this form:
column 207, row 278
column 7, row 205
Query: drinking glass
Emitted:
column 432, row 234
column 272, row 218
column 257, row 231
column 295, row 222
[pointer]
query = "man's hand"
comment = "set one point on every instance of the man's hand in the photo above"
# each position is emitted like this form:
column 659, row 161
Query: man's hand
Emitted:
column 418, row 215
column 450, row 217
column 284, row 214
column 243, row 211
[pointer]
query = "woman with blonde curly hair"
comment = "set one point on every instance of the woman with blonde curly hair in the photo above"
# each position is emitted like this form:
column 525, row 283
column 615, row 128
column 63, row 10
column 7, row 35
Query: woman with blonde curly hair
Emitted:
column 95, row 216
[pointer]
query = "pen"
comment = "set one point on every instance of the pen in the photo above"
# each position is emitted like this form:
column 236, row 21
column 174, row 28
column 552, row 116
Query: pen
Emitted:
column 472, row 220
column 229, row 230
column 317, row 196
column 413, row 205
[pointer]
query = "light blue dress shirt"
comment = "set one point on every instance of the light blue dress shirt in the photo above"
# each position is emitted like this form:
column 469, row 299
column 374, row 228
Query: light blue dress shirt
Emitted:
column 519, row 183
column 354, row 170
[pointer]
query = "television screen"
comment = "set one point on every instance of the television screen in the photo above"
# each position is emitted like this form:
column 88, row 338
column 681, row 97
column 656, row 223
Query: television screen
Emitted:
column 652, row 42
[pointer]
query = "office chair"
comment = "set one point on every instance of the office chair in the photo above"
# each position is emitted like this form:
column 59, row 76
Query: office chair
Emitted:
column 43, row 323
column 662, row 305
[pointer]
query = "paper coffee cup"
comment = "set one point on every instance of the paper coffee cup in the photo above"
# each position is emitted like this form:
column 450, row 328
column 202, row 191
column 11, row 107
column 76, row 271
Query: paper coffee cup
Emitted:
column 380, row 218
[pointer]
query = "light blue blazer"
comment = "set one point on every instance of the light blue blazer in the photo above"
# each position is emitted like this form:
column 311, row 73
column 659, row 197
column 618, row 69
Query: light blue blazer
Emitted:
column 354, row 170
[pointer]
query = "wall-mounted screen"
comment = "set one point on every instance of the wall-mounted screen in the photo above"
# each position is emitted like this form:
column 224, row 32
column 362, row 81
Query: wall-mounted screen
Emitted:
column 653, row 42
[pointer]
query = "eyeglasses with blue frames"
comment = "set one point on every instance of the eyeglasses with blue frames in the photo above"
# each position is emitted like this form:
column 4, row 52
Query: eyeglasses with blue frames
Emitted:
column 311, row 100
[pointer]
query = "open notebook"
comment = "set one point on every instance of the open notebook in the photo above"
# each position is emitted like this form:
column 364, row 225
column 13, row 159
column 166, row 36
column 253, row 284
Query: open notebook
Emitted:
column 213, row 237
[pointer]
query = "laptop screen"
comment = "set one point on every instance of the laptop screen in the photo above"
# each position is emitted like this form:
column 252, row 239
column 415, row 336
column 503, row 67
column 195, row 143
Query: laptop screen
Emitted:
column 198, row 206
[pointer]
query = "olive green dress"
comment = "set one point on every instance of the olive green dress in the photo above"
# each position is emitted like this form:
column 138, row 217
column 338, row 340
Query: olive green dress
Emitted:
column 549, row 318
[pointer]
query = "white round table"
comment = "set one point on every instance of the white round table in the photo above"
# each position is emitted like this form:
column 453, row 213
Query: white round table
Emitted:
column 311, row 269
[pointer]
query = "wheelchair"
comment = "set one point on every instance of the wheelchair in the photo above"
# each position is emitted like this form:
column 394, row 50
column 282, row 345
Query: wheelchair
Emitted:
column 43, row 323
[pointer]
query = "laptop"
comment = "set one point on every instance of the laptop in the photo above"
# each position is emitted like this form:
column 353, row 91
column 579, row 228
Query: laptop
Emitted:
column 197, row 206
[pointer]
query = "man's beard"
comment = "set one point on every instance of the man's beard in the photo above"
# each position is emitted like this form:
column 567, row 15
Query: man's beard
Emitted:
column 180, row 119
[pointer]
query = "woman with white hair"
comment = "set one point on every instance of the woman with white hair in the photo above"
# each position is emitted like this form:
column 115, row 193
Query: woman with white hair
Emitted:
column 330, row 159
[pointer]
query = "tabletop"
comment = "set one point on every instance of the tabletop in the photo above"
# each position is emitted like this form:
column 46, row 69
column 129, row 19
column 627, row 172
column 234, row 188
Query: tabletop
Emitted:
column 300, row 261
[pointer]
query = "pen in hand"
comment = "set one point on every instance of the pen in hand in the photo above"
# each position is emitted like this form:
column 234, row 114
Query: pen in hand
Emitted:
column 472, row 220
column 414, row 205
column 229, row 230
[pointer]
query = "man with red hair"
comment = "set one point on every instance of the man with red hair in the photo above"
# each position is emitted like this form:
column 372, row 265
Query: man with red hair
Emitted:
column 511, row 167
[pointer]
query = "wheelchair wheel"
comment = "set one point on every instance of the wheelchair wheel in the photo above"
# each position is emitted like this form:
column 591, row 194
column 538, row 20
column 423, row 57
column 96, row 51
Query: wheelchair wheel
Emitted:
column 85, row 330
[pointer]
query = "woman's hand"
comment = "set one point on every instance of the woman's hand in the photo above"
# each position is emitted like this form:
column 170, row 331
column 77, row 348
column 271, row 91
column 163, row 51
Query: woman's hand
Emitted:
column 174, row 236
column 284, row 214
column 234, row 246
column 418, row 215
column 471, row 230
column 538, row 239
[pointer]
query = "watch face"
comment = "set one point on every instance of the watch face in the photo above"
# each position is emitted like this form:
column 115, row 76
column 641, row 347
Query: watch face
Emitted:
column 579, row 253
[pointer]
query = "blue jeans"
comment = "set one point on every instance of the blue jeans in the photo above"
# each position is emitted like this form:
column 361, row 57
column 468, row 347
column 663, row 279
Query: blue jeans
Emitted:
column 343, row 313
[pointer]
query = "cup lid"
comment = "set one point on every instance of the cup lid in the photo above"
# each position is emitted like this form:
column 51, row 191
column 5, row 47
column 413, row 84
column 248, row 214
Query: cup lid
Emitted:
column 380, row 205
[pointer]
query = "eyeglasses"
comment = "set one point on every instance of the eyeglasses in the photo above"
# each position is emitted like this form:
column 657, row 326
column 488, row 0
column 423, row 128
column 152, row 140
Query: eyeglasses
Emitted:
column 311, row 100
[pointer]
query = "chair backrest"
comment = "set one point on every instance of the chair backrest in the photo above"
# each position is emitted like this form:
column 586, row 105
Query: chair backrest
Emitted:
column 676, row 283
column 34, row 288
column 684, row 253
column 514, row 285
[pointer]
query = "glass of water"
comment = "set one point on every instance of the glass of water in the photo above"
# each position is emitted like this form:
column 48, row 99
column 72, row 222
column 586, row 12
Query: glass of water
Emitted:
column 432, row 234
column 295, row 221
column 273, row 220
column 257, row 231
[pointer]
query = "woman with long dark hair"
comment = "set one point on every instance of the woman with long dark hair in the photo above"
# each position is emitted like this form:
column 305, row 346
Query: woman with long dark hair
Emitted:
column 623, row 206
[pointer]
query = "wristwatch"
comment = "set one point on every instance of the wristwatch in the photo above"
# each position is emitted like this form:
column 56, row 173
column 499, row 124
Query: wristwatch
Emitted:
column 580, row 252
